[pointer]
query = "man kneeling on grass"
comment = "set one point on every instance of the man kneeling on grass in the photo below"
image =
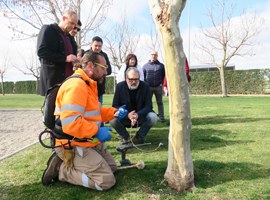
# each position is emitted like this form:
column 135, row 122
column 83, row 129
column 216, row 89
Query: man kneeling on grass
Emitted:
column 135, row 94
column 87, row 162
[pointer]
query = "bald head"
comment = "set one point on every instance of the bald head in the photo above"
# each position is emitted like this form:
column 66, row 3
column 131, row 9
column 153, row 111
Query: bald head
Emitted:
column 154, row 56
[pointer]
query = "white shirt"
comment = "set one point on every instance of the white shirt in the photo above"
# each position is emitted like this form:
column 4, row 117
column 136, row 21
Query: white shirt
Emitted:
column 121, row 73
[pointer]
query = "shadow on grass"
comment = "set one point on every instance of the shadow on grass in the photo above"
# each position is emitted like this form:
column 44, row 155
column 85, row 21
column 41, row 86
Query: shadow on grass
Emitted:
column 207, row 174
column 156, row 136
column 224, row 119
column 130, row 184
column 211, row 173
column 138, row 184
column 202, row 139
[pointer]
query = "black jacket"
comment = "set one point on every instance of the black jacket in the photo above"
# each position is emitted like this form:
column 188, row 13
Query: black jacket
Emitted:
column 101, row 86
column 51, row 53
column 143, row 98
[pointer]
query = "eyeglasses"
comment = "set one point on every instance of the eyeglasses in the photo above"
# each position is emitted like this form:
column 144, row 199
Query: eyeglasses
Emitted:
column 76, row 28
column 133, row 79
column 103, row 66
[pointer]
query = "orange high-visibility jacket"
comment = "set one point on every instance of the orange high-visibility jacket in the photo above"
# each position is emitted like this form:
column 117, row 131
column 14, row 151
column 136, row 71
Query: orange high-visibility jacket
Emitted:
column 79, row 109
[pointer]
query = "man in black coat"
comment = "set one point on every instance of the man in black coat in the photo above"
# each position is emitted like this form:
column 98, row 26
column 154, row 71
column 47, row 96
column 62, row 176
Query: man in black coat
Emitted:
column 96, row 46
column 135, row 94
column 56, row 52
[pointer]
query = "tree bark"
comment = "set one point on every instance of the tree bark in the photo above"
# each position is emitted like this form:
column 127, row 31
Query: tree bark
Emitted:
column 2, row 85
column 179, row 174
column 223, row 82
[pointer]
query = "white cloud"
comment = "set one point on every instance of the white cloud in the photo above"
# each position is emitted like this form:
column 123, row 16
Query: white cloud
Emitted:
column 130, row 8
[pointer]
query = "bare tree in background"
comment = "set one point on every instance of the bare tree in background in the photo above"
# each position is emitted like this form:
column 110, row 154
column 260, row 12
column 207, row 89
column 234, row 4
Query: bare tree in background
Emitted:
column 154, row 41
column 3, row 70
column 26, row 17
column 32, row 68
column 120, row 41
column 179, row 174
column 229, row 37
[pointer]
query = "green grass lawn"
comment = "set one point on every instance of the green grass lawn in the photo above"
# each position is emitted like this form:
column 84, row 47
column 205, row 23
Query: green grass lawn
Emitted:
column 21, row 101
column 230, row 143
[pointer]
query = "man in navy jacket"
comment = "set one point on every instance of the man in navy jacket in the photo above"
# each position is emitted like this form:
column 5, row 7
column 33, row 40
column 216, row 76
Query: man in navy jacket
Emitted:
column 154, row 73
column 135, row 94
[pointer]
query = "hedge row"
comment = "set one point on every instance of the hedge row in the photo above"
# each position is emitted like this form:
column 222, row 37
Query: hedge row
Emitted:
column 237, row 82
column 20, row 87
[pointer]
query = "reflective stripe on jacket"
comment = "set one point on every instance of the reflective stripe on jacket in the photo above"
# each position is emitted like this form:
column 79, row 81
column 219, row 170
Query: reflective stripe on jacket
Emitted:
column 79, row 109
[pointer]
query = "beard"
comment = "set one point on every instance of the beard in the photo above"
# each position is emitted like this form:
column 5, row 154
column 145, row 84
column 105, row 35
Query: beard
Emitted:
column 133, row 87
column 98, row 79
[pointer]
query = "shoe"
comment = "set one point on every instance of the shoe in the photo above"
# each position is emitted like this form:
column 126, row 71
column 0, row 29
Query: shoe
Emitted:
column 51, row 172
column 162, row 120
column 125, row 141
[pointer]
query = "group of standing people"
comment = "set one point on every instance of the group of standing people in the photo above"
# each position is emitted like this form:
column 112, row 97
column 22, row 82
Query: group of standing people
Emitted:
column 79, row 103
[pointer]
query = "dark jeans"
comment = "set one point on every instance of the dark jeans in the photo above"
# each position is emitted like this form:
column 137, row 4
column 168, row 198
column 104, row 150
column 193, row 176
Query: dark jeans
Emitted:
column 158, row 92
column 145, row 124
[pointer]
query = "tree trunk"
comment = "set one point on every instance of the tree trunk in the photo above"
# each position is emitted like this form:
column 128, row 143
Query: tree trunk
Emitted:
column 179, row 173
column 223, row 83
column 37, row 86
column 78, row 36
column 2, row 85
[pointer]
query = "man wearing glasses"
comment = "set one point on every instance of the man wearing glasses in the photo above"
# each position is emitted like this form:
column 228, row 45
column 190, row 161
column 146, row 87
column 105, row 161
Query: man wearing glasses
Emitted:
column 73, row 33
column 80, row 114
column 135, row 94
column 55, row 51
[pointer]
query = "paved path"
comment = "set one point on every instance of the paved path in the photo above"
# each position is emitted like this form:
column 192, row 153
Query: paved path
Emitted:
column 19, row 129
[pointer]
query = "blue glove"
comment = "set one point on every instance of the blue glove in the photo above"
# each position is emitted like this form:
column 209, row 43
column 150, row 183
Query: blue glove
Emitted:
column 121, row 112
column 103, row 134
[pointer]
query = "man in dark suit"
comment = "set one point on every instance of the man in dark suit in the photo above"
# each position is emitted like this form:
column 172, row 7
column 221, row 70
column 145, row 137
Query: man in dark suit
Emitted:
column 96, row 46
column 135, row 94
column 55, row 51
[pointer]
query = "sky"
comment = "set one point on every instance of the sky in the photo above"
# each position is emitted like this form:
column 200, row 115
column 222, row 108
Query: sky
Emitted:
column 138, row 14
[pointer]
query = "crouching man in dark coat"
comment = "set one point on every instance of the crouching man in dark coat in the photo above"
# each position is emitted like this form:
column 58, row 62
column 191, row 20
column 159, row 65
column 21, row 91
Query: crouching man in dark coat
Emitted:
column 135, row 94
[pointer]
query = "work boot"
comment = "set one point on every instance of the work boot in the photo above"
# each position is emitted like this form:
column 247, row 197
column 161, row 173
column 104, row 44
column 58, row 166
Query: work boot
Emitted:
column 52, row 170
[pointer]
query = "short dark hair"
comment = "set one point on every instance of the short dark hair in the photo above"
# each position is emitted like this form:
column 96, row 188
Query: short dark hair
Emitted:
column 79, row 22
column 90, row 56
column 97, row 38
